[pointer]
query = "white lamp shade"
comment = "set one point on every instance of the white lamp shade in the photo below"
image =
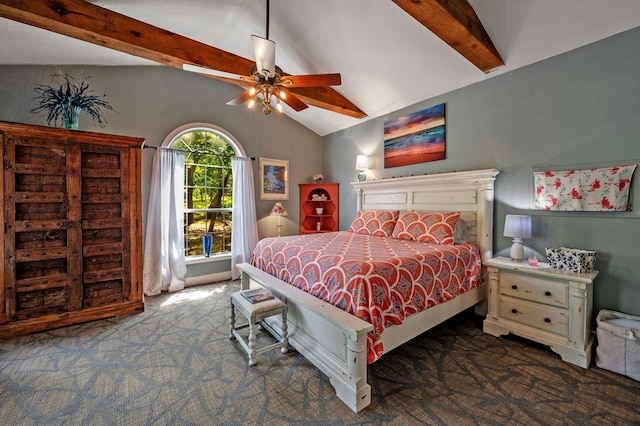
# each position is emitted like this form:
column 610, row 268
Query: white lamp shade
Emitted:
column 362, row 162
column 278, row 210
column 517, row 226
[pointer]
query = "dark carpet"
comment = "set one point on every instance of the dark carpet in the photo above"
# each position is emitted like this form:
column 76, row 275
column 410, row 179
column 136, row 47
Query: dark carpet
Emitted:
column 175, row 365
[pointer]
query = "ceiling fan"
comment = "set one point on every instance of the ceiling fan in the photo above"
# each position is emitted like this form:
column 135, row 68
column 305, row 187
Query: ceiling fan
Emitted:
column 267, row 83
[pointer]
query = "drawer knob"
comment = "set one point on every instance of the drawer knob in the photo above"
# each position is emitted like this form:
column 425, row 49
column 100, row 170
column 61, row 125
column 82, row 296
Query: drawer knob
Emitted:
column 547, row 293
column 515, row 287
column 514, row 311
column 547, row 320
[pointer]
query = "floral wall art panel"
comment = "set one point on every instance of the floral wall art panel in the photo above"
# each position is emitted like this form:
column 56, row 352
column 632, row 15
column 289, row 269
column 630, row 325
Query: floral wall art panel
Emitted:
column 603, row 189
column 415, row 138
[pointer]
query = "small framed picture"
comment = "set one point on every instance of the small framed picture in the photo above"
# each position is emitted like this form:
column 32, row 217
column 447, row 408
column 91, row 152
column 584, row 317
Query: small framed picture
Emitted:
column 274, row 179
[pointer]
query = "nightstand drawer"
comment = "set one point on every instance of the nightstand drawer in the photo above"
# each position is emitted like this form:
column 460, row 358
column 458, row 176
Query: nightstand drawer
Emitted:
column 534, row 289
column 544, row 318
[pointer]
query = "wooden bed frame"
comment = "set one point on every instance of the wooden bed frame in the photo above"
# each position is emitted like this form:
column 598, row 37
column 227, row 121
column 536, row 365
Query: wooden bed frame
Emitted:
column 334, row 340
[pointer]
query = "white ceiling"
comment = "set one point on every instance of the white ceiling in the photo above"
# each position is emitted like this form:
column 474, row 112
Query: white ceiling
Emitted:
column 386, row 58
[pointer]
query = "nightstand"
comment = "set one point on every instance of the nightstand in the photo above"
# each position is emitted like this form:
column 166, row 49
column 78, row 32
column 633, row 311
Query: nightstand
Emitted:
column 543, row 304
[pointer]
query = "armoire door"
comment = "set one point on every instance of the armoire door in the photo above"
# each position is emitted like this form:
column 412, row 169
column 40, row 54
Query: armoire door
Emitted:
column 106, row 225
column 42, row 212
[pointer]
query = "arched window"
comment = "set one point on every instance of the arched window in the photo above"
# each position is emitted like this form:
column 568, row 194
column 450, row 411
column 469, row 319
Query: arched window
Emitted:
column 208, row 184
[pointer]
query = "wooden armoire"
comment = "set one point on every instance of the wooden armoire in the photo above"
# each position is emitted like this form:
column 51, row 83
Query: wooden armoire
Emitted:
column 72, row 227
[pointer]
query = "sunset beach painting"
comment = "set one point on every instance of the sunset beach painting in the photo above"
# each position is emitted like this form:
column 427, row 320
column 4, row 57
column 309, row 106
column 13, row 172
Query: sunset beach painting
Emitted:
column 415, row 138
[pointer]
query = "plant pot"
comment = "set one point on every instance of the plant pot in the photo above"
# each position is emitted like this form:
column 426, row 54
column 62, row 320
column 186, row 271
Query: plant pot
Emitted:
column 71, row 117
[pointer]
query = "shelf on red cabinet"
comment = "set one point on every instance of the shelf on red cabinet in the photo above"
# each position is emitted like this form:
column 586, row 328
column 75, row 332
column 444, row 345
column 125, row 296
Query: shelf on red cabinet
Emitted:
column 308, row 206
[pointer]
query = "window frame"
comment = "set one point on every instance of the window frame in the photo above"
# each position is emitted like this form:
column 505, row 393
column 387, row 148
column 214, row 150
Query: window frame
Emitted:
column 237, row 148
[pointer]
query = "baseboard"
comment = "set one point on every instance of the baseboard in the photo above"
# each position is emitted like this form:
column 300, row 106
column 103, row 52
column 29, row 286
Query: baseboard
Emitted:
column 207, row 279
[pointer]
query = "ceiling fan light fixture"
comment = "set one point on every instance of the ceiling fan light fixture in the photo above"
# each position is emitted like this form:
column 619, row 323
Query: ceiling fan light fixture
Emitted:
column 268, row 85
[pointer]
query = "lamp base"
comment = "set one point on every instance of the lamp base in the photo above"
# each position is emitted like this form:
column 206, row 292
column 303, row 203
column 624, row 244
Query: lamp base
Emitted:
column 362, row 176
column 517, row 250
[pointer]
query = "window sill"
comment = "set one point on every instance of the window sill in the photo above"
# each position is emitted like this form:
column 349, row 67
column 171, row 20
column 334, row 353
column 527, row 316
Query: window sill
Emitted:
column 193, row 260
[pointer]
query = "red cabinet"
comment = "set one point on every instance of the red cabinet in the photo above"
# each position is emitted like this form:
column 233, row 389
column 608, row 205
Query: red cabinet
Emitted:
column 318, row 207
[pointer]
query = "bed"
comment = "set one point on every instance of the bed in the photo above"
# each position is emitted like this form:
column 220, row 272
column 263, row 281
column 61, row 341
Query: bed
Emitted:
column 338, row 342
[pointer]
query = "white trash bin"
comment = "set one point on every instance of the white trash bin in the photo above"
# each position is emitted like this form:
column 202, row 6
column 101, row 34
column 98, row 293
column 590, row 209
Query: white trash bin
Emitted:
column 618, row 347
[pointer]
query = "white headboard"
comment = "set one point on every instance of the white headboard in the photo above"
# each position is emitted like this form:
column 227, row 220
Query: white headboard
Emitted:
column 469, row 192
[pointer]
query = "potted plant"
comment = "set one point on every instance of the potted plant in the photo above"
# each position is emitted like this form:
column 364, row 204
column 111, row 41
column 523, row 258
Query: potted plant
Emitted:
column 65, row 102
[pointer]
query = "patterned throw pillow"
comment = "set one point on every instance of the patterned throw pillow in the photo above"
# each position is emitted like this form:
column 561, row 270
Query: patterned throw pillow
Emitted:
column 434, row 228
column 374, row 222
column 462, row 232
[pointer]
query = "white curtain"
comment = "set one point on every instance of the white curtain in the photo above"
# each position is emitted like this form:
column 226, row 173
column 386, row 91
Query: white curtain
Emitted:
column 164, row 263
column 244, row 229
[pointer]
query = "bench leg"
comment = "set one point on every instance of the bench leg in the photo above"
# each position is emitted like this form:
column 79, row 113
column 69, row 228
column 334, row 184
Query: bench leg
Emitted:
column 232, row 322
column 252, row 343
column 285, row 337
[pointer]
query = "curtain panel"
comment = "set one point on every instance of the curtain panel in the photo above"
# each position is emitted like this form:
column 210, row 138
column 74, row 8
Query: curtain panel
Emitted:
column 164, row 262
column 244, row 229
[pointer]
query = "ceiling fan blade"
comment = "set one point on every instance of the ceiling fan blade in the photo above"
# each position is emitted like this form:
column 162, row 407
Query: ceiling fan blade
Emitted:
column 208, row 71
column 264, row 51
column 312, row 80
column 290, row 99
column 242, row 97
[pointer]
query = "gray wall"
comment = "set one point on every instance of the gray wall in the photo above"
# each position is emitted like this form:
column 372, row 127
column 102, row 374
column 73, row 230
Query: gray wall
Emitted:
column 580, row 109
column 153, row 101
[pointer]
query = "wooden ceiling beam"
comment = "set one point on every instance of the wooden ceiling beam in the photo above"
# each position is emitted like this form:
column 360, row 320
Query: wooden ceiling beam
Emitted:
column 456, row 23
column 94, row 24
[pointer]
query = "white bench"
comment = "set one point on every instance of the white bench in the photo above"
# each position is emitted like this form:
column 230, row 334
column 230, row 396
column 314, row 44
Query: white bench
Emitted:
column 254, row 313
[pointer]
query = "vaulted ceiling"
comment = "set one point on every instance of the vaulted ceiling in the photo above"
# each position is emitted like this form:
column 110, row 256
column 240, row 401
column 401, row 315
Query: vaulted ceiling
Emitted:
column 390, row 53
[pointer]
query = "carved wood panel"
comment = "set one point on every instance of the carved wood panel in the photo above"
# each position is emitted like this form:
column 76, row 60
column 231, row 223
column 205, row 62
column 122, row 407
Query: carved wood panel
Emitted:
column 72, row 241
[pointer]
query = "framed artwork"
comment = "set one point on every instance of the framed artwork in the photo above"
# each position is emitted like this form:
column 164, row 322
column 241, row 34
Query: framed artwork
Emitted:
column 274, row 179
column 415, row 138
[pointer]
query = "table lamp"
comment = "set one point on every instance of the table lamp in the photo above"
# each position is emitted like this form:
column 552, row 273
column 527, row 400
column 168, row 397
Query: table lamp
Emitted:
column 278, row 210
column 517, row 227
column 362, row 164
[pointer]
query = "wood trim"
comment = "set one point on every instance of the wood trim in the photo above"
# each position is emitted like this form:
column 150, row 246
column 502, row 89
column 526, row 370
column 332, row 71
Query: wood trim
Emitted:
column 8, row 289
column 4, row 265
column 456, row 23
column 74, row 230
column 33, row 325
column 93, row 24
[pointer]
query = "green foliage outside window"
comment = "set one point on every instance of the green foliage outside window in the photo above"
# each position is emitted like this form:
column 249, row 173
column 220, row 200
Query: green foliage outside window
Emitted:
column 208, row 190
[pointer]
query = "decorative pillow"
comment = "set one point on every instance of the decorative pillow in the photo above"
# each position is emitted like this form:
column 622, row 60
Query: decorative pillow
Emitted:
column 461, row 233
column 374, row 222
column 435, row 228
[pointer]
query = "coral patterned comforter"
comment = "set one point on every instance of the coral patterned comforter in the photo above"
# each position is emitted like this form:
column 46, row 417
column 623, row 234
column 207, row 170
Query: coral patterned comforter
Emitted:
column 380, row 280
